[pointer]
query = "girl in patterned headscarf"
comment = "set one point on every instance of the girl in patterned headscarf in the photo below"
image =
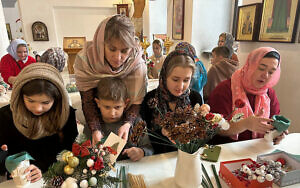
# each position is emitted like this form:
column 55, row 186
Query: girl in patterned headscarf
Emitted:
column 226, row 39
column 200, row 75
column 55, row 57
column 17, row 58
column 253, row 84
column 173, row 92
column 157, row 59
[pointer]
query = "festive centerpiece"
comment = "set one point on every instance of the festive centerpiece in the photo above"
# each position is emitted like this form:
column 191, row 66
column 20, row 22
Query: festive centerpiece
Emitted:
column 188, row 129
column 85, row 165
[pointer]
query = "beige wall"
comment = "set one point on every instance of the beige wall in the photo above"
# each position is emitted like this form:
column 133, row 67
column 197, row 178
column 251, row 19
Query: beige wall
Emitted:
column 288, row 88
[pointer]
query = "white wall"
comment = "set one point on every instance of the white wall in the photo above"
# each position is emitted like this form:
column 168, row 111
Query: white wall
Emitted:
column 3, row 33
column 287, row 90
column 63, row 18
column 11, row 15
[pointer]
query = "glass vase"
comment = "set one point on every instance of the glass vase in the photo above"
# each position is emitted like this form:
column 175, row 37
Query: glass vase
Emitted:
column 188, row 172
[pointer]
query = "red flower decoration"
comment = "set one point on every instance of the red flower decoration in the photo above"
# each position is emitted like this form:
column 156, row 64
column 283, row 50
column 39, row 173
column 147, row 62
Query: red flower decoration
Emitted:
column 81, row 149
column 281, row 160
column 239, row 103
column 112, row 151
column 209, row 116
column 98, row 165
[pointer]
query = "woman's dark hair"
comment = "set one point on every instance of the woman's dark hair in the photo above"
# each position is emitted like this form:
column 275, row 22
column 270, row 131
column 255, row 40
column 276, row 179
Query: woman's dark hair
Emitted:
column 37, row 58
column 41, row 86
column 273, row 54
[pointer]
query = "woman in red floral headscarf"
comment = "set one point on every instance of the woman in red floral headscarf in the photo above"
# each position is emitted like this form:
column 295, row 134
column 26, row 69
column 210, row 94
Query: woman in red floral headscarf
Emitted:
column 253, row 84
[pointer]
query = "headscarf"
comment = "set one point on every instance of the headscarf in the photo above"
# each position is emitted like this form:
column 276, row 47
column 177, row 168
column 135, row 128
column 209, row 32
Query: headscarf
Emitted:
column 12, row 49
column 163, row 95
column 54, row 56
column 161, row 44
column 29, row 73
column 228, row 42
column 241, row 84
column 90, row 66
column 200, row 75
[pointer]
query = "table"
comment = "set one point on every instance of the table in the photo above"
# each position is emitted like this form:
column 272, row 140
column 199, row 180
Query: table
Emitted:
column 158, row 170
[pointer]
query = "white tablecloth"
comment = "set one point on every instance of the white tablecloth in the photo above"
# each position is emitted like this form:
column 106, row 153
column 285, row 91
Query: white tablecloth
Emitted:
column 158, row 170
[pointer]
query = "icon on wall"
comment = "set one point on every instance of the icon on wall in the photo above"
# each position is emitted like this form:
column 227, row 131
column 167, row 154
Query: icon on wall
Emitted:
column 9, row 32
column 39, row 31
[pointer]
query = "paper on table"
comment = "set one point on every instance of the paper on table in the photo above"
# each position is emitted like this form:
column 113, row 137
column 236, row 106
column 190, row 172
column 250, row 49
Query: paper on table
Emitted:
column 116, row 143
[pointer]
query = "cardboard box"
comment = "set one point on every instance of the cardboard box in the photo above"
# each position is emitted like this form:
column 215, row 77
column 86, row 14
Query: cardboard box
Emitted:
column 290, row 177
column 226, row 169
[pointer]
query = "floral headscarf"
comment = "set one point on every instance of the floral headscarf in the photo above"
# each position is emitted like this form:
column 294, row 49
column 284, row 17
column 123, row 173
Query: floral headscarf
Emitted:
column 163, row 95
column 241, row 84
column 54, row 56
column 12, row 49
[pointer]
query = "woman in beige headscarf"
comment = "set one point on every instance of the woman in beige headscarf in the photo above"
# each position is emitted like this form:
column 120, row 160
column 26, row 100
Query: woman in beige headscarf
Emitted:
column 39, row 119
column 114, row 52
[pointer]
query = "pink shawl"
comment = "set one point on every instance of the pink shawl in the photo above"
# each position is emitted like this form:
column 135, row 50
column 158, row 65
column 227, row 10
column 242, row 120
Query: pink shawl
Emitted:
column 241, row 85
column 90, row 66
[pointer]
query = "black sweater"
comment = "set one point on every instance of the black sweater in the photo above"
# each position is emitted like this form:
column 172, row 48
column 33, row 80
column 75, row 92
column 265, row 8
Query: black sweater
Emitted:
column 43, row 150
column 147, row 114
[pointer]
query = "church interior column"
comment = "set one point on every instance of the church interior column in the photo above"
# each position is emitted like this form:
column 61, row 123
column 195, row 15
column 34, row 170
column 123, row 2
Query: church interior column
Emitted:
column 4, row 42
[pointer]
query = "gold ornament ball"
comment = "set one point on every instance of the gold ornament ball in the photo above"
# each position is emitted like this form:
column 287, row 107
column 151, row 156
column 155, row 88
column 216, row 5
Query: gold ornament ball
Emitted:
column 73, row 161
column 68, row 170
column 66, row 155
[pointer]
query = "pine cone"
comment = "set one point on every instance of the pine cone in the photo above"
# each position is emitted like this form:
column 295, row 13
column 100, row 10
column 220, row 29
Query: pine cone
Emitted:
column 57, row 181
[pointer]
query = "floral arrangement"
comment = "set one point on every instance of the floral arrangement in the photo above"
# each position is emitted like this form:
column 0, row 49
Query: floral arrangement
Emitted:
column 150, row 64
column 85, row 165
column 188, row 129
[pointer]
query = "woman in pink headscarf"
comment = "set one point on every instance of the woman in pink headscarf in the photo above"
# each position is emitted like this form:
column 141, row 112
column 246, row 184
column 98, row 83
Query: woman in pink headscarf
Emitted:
column 253, row 84
column 114, row 52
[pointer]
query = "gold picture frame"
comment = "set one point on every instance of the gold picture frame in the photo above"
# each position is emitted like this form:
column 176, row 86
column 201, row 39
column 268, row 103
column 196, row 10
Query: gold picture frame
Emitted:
column 9, row 31
column 248, row 22
column 279, row 20
column 178, row 19
column 73, row 42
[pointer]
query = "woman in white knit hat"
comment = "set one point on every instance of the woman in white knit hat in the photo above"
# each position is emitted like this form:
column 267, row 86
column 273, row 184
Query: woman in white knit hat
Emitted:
column 39, row 119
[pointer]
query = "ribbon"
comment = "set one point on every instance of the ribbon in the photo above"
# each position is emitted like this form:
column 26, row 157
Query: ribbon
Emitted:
column 81, row 149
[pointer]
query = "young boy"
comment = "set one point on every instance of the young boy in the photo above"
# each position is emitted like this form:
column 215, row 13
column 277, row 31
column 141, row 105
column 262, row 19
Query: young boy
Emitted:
column 112, row 102
column 222, row 68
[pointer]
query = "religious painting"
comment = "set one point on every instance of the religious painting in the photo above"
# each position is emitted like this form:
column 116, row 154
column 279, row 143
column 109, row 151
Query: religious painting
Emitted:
column 248, row 22
column 178, row 20
column 123, row 9
column 39, row 31
column 73, row 42
column 279, row 20
column 9, row 31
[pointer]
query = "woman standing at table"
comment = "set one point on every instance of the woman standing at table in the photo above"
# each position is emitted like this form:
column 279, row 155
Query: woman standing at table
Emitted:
column 39, row 119
column 173, row 92
column 114, row 52
column 253, row 84
column 16, row 59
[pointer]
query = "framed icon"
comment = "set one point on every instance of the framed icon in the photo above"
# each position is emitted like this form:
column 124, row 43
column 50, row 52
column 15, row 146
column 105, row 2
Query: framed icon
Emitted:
column 39, row 31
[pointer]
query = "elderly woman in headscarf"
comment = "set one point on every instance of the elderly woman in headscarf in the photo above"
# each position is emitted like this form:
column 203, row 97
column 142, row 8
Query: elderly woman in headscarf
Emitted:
column 114, row 52
column 253, row 85
column 17, row 58
column 226, row 39
column 54, row 56
column 200, row 74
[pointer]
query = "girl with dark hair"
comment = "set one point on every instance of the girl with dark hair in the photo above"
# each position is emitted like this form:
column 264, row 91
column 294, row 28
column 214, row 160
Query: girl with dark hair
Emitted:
column 16, row 59
column 39, row 119
column 253, row 84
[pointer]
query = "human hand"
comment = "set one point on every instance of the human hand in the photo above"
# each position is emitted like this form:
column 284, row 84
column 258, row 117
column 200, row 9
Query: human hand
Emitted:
column 278, row 139
column 35, row 174
column 2, row 88
column 257, row 124
column 4, row 147
column 124, row 130
column 134, row 153
column 97, row 136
